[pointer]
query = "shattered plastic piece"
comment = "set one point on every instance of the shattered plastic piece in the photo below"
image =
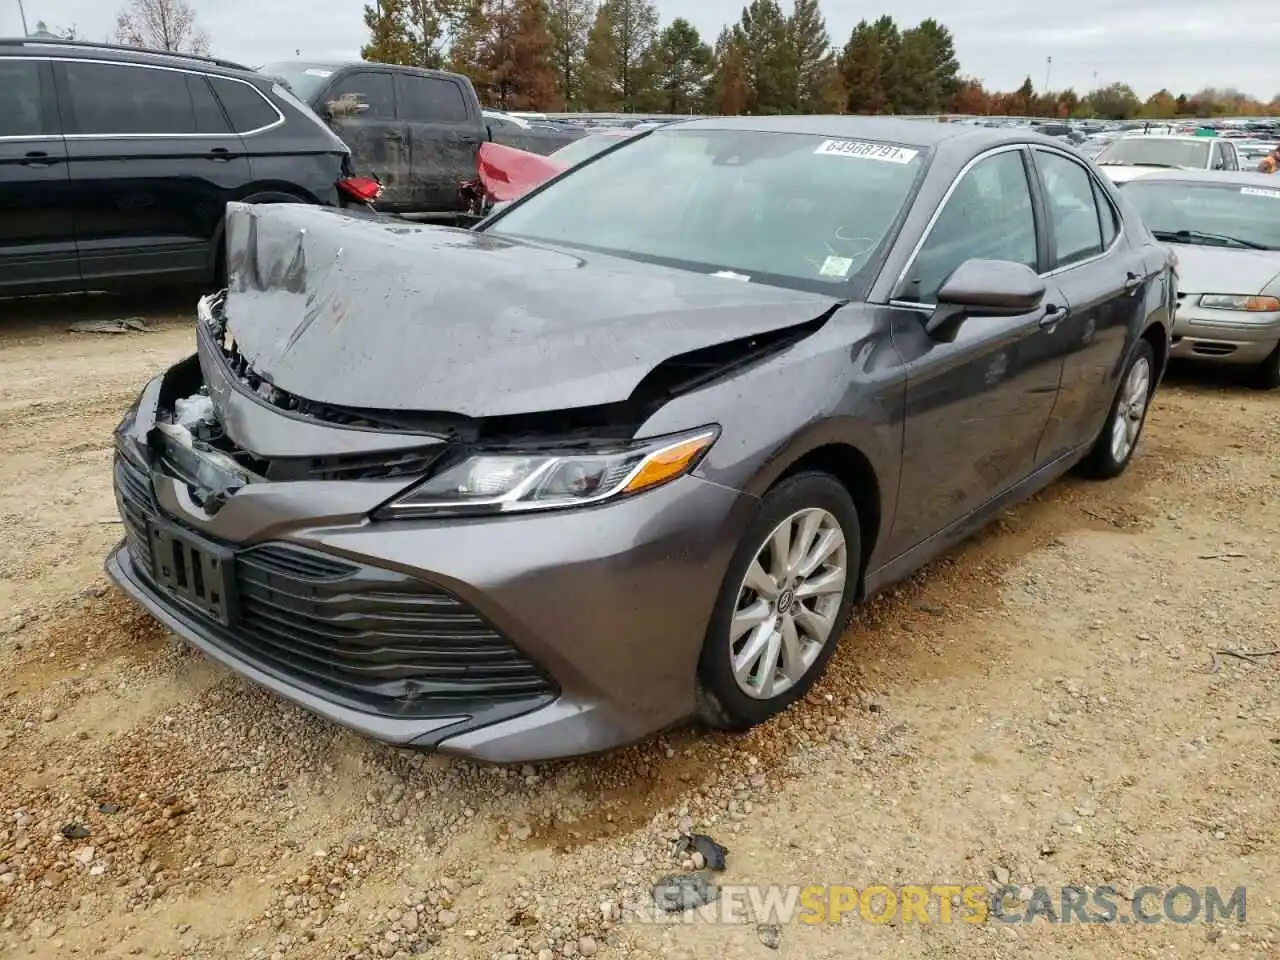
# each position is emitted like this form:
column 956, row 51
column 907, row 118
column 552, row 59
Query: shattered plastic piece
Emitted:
column 74, row 831
column 770, row 935
column 193, row 410
column 680, row 892
column 123, row 325
column 713, row 854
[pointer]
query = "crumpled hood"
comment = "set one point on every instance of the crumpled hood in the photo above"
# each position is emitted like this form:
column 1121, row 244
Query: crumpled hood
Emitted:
column 379, row 314
column 1221, row 270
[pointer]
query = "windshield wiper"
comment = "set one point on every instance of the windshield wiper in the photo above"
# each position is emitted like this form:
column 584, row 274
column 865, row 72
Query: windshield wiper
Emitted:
column 1192, row 236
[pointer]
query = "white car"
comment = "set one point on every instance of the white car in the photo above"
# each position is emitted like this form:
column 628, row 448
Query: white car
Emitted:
column 1133, row 155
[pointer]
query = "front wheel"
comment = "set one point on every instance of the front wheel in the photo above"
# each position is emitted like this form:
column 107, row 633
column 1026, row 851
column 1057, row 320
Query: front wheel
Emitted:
column 784, row 602
column 1128, row 414
column 1267, row 376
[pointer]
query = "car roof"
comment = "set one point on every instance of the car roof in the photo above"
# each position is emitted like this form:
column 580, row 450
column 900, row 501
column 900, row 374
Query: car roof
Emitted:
column 378, row 64
column 85, row 50
column 1239, row 178
column 1139, row 135
column 919, row 133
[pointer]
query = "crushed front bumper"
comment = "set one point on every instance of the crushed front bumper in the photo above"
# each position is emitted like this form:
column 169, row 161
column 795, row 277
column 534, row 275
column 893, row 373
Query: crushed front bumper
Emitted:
column 513, row 639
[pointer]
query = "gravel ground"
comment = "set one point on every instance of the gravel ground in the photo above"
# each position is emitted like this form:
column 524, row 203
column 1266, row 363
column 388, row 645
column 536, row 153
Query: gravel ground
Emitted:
column 1040, row 707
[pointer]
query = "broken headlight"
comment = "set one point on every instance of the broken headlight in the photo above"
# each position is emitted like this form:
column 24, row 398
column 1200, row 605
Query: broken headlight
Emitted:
column 513, row 482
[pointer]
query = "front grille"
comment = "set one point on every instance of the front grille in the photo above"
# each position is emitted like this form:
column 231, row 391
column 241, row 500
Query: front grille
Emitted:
column 383, row 465
column 375, row 639
column 136, row 504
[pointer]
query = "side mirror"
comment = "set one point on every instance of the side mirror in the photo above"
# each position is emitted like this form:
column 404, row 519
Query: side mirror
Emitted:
column 985, row 288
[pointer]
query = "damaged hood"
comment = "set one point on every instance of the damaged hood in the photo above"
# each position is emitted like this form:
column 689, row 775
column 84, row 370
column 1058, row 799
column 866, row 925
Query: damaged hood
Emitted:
column 378, row 314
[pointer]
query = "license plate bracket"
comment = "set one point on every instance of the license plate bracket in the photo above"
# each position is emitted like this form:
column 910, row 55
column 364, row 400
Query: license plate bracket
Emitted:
column 198, row 573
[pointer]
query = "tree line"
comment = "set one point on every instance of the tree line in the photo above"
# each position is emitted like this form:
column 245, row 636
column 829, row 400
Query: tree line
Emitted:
column 615, row 55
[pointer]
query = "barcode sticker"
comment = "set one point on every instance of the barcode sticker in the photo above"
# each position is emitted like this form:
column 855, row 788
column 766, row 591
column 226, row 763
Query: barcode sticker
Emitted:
column 861, row 150
column 1260, row 192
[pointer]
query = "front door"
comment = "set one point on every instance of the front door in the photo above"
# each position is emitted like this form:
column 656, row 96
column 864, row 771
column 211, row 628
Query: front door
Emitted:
column 1105, row 282
column 37, row 216
column 977, row 405
column 445, row 139
column 360, row 106
column 153, row 164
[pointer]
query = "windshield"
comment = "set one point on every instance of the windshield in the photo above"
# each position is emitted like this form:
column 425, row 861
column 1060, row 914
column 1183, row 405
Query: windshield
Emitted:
column 788, row 209
column 1158, row 151
column 1248, row 215
column 585, row 148
column 304, row 79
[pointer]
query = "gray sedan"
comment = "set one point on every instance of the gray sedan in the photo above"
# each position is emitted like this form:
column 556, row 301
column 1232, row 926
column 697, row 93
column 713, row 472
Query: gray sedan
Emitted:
column 1227, row 230
column 628, row 453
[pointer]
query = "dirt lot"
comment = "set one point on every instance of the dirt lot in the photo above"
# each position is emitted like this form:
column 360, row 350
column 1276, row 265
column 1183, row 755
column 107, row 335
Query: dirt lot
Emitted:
column 1039, row 708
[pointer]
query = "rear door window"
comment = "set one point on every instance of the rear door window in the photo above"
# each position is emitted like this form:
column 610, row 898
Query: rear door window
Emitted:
column 432, row 100
column 209, row 116
column 1073, row 211
column 248, row 109
column 22, row 100
column 128, row 99
column 363, row 96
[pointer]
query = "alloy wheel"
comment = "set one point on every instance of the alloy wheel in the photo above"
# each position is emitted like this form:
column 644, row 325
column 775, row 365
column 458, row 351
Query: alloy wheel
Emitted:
column 1131, row 410
column 788, row 603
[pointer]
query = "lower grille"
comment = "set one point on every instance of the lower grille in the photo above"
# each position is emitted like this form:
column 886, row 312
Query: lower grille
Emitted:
column 372, row 638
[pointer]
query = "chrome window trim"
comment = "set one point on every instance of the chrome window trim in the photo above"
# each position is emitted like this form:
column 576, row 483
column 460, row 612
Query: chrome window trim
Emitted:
column 946, row 197
column 1056, row 271
column 942, row 205
column 280, row 117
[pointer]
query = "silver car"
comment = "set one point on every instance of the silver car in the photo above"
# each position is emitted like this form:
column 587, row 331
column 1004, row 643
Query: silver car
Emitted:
column 1227, row 228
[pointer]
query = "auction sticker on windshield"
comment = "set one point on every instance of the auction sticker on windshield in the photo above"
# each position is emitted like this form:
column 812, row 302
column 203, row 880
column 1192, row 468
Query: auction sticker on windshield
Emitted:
column 1260, row 192
column 866, row 151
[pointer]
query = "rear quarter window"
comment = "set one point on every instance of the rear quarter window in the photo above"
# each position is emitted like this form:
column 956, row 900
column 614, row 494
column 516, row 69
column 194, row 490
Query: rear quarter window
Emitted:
column 247, row 109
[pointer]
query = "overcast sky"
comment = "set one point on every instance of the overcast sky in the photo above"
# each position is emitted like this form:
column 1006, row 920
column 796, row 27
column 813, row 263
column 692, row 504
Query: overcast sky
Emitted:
column 1180, row 44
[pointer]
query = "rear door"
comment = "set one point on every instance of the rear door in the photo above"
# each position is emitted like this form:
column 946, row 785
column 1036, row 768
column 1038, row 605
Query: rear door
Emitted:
column 153, row 163
column 37, row 224
column 1104, row 280
column 445, row 136
column 977, row 405
column 360, row 106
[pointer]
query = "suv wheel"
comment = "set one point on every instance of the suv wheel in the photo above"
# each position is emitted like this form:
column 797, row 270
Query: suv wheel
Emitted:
column 783, row 604
column 1126, row 418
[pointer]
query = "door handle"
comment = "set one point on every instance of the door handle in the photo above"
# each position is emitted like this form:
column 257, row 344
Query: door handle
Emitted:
column 1132, row 281
column 220, row 154
column 38, row 158
column 1053, row 315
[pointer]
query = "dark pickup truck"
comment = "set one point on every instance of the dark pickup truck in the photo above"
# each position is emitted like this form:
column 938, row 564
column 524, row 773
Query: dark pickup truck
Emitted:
column 416, row 130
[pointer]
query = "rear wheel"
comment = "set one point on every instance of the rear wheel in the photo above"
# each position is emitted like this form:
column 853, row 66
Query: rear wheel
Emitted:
column 1128, row 414
column 784, row 602
column 1267, row 375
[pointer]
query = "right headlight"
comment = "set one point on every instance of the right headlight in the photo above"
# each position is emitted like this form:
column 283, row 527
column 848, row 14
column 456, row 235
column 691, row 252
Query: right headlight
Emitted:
column 489, row 483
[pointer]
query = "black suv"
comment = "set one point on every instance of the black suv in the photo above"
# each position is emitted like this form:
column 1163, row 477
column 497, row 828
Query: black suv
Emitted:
column 116, row 164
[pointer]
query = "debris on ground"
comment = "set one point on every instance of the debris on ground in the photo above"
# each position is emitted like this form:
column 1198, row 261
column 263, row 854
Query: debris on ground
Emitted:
column 122, row 325
column 704, row 851
column 770, row 935
column 74, row 831
column 678, row 893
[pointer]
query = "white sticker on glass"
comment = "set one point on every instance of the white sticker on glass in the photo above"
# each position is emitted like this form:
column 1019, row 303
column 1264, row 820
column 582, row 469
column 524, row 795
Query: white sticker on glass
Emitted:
column 836, row 266
column 1260, row 192
column 316, row 72
column 861, row 150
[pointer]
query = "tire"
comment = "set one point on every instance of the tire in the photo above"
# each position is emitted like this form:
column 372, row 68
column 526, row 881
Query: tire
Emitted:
column 1267, row 373
column 1110, row 456
column 723, row 701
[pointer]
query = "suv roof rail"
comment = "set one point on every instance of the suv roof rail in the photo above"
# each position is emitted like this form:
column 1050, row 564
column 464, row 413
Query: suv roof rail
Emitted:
column 91, row 45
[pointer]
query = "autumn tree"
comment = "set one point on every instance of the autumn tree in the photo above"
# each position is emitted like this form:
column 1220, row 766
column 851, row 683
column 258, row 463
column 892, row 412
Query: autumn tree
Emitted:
column 570, row 24
column 534, row 85
column 1116, row 101
column 469, row 32
column 600, row 66
column 683, row 67
column 633, row 29
column 729, row 93
column 1160, row 104
column 869, row 64
column 970, row 98
column 927, row 69
column 161, row 25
